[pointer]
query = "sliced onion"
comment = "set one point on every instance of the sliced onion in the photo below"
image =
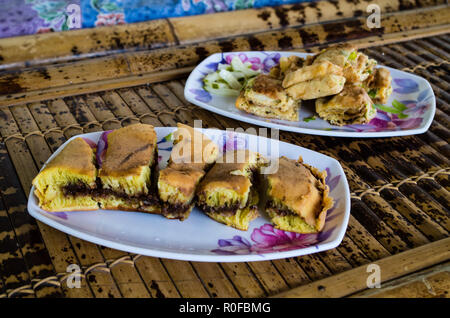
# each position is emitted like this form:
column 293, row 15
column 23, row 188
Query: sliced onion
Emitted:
column 228, row 77
column 222, row 91
column 228, row 80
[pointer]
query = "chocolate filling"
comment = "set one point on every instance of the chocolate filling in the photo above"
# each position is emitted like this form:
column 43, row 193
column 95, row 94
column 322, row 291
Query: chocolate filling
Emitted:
column 230, row 210
column 174, row 210
column 225, row 210
column 81, row 189
column 77, row 189
column 145, row 199
column 279, row 211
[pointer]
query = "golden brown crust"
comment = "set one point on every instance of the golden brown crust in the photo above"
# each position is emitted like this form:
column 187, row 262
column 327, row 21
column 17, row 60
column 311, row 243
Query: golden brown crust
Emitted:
column 221, row 176
column 310, row 72
column 192, row 154
column 129, row 148
column 286, row 65
column 77, row 157
column 351, row 106
column 185, row 180
column 266, row 85
column 327, row 201
column 302, row 189
column 353, row 96
column 288, row 113
column 191, row 147
column 318, row 87
column 336, row 54
column 231, row 171
column 382, row 78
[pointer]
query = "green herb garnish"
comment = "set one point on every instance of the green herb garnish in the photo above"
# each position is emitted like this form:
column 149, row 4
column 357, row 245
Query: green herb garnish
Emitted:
column 397, row 108
column 308, row 119
column 372, row 93
column 352, row 56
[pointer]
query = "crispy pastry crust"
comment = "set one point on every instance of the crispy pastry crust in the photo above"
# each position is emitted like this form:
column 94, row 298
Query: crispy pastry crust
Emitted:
column 318, row 87
column 379, row 85
column 351, row 106
column 310, row 72
column 337, row 54
column 265, row 96
column 267, row 111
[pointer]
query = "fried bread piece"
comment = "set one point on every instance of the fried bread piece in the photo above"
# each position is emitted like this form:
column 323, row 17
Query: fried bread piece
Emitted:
column 351, row 106
column 358, row 68
column 356, row 65
column 318, row 87
column 264, row 96
column 337, row 54
column 379, row 86
column 307, row 73
column 286, row 65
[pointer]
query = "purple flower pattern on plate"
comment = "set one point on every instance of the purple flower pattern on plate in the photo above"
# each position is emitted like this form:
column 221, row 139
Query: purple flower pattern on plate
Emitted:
column 232, row 141
column 201, row 95
column 61, row 215
column 405, row 86
column 267, row 239
column 257, row 64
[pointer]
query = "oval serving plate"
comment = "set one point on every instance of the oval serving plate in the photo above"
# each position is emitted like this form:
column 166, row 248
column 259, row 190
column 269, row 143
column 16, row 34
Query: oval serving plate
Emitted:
column 199, row 238
column 414, row 102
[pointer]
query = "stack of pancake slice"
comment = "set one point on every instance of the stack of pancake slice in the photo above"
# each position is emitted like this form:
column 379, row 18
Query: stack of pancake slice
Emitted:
column 227, row 188
column 192, row 156
column 343, row 82
column 124, row 179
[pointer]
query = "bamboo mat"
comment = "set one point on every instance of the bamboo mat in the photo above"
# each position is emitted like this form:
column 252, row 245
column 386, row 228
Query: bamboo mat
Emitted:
column 399, row 188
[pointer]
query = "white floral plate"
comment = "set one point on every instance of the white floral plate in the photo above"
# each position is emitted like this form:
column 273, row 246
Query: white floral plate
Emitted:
column 199, row 238
column 409, row 110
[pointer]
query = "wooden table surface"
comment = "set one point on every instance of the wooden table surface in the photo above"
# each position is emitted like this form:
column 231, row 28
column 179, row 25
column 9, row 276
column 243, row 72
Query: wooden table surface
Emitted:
column 54, row 86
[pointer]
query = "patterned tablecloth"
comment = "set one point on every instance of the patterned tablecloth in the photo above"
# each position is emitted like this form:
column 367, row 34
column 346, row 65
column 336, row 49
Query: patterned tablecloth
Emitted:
column 22, row 17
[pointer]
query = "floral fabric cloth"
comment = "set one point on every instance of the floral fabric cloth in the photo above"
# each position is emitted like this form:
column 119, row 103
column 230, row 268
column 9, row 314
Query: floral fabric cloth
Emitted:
column 22, row 17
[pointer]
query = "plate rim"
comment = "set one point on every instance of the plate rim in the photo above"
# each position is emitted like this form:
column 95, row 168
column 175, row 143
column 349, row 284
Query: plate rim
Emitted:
column 309, row 131
column 188, row 256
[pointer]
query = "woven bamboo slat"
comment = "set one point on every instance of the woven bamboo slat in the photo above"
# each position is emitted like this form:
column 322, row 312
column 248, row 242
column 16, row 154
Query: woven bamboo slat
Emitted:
column 133, row 68
column 344, row 284
column 430, row 283
column 399, row 187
